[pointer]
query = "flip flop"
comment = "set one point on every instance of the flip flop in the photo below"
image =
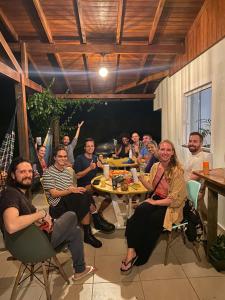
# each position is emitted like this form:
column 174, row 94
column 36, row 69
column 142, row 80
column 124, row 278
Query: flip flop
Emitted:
column 89, row 270
column 131, row 262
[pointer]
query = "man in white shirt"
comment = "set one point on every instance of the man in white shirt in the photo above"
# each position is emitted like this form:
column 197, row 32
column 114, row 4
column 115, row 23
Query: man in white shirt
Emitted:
column 194, row 163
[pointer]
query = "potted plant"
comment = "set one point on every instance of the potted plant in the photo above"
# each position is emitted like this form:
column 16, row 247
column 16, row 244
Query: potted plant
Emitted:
column 217, row 253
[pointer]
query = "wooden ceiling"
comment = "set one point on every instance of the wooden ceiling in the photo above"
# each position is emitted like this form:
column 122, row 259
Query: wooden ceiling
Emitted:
column 137, row 40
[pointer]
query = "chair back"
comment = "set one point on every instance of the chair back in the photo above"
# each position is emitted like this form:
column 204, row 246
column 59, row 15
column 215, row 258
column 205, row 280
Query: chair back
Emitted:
column 29, row 245
column 193, row 188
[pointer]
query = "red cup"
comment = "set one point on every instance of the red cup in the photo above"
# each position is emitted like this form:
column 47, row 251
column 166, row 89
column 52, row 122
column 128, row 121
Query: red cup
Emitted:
column 205, row 167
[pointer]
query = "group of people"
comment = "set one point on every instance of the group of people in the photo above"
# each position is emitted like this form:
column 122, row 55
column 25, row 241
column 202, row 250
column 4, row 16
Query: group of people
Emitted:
column 139, row 148
column 72, row 203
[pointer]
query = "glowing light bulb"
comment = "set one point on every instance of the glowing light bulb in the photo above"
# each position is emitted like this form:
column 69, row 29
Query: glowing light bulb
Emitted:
column 103, row 72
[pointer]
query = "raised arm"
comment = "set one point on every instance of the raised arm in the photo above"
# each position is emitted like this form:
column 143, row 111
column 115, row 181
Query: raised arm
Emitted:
column 78, row 129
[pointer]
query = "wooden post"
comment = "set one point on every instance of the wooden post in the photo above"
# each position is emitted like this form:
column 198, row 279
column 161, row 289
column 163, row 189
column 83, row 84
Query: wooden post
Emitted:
column 23, row 140
column 56, row 132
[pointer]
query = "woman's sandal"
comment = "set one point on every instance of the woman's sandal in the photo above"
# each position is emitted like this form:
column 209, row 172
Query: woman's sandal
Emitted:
column 131, row 263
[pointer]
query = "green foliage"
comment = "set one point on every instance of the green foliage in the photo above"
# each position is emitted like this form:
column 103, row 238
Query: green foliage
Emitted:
column 45, row 107
column 205, row 130
column 217, row 251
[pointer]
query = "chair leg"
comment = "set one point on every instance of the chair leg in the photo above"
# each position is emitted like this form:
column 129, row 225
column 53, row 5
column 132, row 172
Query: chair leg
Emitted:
column 195, row 250
column 47, row 289
column 169, row 239
column 183, row 236
column 13, row 295
column 61, row 269
column 31, row 272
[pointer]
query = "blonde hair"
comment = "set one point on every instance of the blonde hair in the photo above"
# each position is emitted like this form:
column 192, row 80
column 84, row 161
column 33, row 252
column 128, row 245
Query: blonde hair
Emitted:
column 174, row 164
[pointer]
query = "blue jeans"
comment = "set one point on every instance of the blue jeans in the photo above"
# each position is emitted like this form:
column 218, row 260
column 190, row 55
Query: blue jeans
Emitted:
column 66, row 229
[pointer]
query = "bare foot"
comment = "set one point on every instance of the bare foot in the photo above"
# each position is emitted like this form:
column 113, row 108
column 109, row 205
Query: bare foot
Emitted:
column 88, row 270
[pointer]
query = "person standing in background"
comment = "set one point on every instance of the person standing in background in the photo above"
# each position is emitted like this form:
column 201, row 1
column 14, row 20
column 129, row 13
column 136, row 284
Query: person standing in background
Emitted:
column 71, row 146
column 136, row 145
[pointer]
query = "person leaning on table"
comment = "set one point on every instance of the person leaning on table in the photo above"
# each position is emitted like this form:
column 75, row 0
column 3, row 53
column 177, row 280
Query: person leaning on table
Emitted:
column 162, row 209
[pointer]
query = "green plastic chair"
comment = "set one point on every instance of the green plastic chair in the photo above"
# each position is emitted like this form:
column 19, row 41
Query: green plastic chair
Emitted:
column 193, row 188
column 31, row 246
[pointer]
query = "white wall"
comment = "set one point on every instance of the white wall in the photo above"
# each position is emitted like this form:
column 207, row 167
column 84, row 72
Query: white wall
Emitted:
column 207, row 68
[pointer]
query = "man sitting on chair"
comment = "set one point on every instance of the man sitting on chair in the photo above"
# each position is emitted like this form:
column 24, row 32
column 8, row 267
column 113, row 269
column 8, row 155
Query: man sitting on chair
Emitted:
column 194, row 163
column 18, row 213
column 86, row 167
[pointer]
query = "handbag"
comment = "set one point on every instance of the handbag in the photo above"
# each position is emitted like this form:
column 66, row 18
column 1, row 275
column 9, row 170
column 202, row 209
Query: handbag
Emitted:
column 151, row 194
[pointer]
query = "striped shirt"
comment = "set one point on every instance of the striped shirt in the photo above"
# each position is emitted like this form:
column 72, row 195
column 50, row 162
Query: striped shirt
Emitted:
column 56, row 179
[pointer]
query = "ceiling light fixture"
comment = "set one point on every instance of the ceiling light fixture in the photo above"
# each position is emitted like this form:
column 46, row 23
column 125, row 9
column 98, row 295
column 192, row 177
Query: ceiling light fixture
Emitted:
column 103, row 72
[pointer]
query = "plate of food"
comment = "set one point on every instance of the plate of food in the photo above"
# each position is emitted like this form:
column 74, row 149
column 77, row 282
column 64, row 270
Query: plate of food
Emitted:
column 118, row 172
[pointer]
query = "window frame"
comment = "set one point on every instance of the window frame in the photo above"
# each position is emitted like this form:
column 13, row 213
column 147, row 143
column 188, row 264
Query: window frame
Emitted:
column 186, row 111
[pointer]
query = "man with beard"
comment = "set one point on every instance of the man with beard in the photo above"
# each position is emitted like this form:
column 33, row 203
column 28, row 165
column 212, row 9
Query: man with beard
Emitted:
column 144, row 153
column 70, row 146
column 194, row 163
column 18, row 213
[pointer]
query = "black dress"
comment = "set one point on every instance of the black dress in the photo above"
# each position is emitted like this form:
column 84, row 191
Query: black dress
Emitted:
column 144, row 228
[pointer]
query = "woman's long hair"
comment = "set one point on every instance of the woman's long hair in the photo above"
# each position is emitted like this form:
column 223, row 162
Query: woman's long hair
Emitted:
column 174, row 163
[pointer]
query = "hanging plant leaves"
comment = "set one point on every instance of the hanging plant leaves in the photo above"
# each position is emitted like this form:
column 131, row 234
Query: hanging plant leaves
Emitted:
column 44, row 107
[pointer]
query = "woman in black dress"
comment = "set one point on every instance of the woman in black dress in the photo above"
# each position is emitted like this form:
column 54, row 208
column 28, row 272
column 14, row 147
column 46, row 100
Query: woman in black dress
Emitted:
column 162, row 209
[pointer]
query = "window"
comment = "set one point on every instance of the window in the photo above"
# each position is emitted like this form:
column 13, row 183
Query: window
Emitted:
column 198, row 113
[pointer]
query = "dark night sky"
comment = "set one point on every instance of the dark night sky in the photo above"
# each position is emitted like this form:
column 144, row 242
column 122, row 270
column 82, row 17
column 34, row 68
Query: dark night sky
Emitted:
column 104, row 123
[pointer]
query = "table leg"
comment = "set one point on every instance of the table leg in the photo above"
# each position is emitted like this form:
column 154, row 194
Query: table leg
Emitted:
column 212, row 218
column 120, row 224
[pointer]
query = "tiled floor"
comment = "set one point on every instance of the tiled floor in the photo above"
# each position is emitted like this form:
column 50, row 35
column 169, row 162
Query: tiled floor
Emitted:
column 183, row 278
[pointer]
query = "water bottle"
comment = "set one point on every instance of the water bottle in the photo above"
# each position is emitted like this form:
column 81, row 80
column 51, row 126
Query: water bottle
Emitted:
column 130, row 154
column 106, row 171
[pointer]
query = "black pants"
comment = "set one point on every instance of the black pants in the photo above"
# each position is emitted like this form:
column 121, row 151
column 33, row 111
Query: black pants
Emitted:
column 143, row 230
column 78, row 203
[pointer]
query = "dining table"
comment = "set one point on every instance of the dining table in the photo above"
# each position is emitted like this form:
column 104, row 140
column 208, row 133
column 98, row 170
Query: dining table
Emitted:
column 215, row 182
column 121, row 163
column 119, row 196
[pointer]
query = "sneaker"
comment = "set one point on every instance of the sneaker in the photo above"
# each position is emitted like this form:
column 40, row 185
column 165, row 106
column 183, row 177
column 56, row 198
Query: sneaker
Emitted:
column 101, row 224
column 88, row 271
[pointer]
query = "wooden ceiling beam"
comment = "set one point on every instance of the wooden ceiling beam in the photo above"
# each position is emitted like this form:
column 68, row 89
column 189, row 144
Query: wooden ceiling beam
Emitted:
column 48, row 34
column 155, row 22
column 120, row 21
column 85, row 60
column 59, row 62
column 162, row 49
column 43, row 20
column 80, row 22
column 117, row 70
column 9, row 53
column 33, row 85
column 151, row 77
column 9, row 72
column 30, row 58
column 105, row 96
column 83, row 39
column 152, row 32
column 8, row 25
column 13, row 74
